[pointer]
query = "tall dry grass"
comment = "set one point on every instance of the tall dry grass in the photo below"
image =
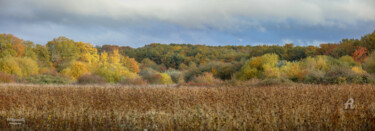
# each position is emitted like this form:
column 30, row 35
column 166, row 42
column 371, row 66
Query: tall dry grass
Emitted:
column 286, row 107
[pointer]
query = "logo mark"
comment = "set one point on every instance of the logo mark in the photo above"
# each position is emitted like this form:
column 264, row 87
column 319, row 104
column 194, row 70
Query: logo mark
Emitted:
column 349, row 104
column 13, row 121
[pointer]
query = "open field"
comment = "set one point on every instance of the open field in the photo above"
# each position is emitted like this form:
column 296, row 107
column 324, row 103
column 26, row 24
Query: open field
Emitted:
column 287, row 107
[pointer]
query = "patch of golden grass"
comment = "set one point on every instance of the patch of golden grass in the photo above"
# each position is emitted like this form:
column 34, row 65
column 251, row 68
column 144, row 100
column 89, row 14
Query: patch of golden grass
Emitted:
column 286, row 107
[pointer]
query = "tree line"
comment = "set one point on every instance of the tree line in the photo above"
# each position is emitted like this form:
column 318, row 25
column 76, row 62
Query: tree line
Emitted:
column 63, row 60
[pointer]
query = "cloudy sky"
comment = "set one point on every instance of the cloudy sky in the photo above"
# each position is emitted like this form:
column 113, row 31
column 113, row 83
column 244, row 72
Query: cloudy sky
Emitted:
column 211, row 22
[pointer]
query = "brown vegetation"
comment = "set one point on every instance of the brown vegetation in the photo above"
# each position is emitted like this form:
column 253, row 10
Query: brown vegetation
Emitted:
column 287, row 107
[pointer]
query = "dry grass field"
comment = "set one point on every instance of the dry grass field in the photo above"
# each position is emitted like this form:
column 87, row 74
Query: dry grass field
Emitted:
column 284, row 107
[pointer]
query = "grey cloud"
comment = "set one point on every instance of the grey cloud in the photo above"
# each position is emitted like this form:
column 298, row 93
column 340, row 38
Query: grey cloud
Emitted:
column 197, row 14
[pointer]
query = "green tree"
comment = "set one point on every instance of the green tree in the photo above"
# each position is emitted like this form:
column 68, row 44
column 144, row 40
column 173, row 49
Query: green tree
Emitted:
column 62, row 50
column 369, row 64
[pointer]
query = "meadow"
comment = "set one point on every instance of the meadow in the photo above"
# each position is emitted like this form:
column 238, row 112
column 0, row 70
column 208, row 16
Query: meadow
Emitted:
column 118, row 107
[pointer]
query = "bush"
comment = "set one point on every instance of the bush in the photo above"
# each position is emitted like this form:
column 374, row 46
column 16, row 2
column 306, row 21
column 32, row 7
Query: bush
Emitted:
column 49, row 71
column 274, row 81
column 177, row 76
column 151, row 76
column 362, row 78
column 369, row 64
column 340, row 75
column 135, row 81
column 166, row 79
column 46, row 79
column 259, row 67
column 6, row 78
column 206, row 79
column 114, row 73
column 293, row 71
column 75, row 69
column 219, row 69
column 347, row 61
column 90, row 79
column 314, row 76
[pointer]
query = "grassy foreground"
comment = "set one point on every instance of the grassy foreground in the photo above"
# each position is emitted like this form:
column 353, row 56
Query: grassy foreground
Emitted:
column 289, row 107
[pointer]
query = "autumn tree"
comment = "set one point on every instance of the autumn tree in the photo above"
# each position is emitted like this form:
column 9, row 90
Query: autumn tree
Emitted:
column 87, row 53
column 360, row 54
column 369, row 64
column 19, row 66
column 10, row 66
column 29, row 50
column 260, row 67
column 368, row 41
column 11, row 46
column 62, row 50
column 76, row 69
column 112, row 70
column 43, row 55
column 131, row 64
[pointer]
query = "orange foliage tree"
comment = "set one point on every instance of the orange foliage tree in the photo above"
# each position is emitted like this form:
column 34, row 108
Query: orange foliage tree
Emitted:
column 131, row 64
column 360, row 54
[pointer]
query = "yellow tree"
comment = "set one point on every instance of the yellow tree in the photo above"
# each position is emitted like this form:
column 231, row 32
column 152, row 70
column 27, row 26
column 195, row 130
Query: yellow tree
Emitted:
column 10, row 66
column 115, row 57
column 103, row 58
column 19, row 66
column 88, row 53
column 112, row 70
column 131, row 64
column 28, row 66
column 76, row 69
column 166, row 79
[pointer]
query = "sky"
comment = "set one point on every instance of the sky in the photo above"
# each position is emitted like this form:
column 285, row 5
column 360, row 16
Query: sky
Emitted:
column 136, row 23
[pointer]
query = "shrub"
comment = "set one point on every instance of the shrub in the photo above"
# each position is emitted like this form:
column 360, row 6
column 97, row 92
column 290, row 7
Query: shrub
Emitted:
column 47, row 70
column 274, row 81
column 206, row 79
column 219, row 69
column 76, row 69
column 147, row 63
column 151, row 76
column 165, row 79
column 177, row 76
column 46, row 79
column 191, row 73
column 114, row 73
column 362, row 78
column 293, row 71
column 369, row 64
column 358, row 70
column 314, row 76
column 135, row 81
column 347, row 61
column 90, row 79
column 316, row 63
column 340, row 75
column 237, row 83
column 271, row 71
column 6, row 78
column 259, row 67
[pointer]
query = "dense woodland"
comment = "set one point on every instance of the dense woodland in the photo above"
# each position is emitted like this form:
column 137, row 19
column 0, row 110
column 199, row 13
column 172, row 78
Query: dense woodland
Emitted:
column 62, row 61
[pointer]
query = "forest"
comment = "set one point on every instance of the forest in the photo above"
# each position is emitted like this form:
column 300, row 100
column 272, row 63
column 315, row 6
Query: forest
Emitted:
column 65, row 61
